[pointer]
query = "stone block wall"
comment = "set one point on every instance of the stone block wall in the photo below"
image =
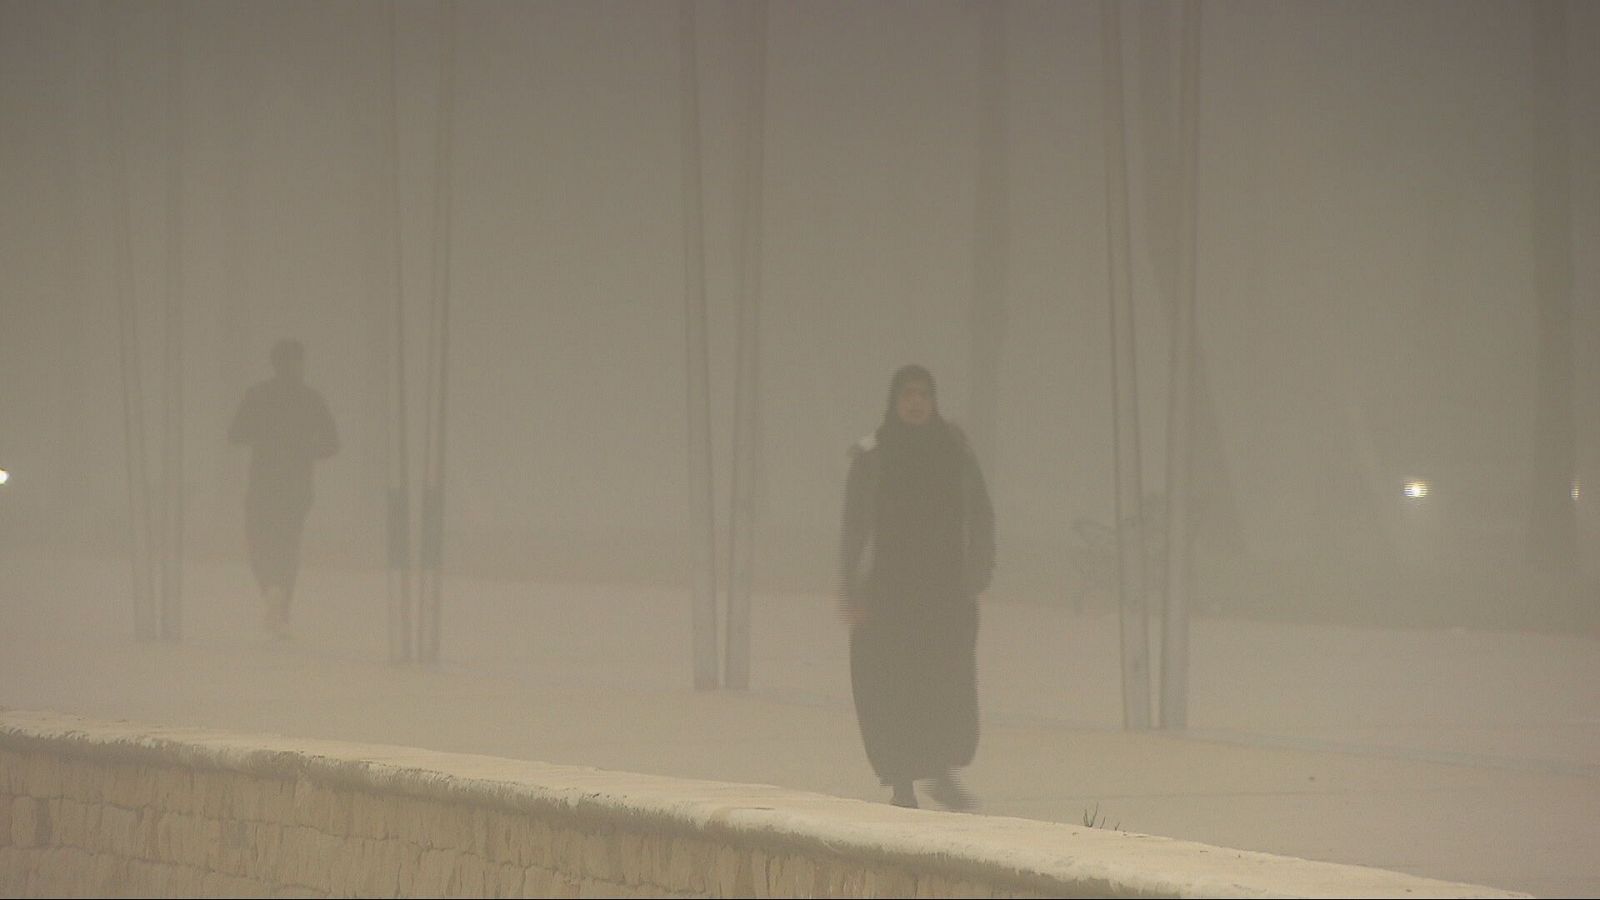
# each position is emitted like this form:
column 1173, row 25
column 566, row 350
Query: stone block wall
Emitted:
column 111, row 809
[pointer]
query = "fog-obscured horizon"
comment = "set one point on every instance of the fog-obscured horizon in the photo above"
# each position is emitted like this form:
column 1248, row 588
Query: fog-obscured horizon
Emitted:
column 1396, row 280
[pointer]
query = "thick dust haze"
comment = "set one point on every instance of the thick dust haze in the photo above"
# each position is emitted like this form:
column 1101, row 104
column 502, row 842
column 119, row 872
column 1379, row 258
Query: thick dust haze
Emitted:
column 1393, row 202
column 1395, row 395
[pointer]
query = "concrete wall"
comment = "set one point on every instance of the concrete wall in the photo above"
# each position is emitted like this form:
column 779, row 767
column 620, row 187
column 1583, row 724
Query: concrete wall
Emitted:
column 92, row 808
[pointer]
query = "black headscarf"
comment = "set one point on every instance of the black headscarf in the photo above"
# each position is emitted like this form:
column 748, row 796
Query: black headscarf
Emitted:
column 919, row 494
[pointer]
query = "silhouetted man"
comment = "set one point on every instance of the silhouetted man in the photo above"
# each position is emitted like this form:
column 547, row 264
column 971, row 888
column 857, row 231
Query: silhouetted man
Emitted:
column 288, row 427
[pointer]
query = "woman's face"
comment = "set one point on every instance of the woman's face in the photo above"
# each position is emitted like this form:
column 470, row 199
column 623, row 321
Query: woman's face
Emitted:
column 914, row 403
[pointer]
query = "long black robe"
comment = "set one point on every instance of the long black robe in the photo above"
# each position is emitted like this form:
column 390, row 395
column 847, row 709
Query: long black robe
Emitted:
column 917, row 549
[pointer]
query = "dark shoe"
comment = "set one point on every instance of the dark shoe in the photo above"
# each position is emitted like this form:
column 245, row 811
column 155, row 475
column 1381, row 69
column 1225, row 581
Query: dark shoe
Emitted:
column 904, row 795
column 948, row 791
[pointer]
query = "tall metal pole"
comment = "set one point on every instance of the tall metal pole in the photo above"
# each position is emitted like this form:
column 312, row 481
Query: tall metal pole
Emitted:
column 991, row 235
column 172, row 505
column 433, row 463
column 402, row 636
column 1124, row 377
column 1210, row 497
column 145, row 624
column 747, row 378
column 1174, row 706
column 702, row 523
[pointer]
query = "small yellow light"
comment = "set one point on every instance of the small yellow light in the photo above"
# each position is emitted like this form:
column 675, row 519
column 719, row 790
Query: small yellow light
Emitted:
column 1577, row 490
column 6, row 476
column 1416, row 490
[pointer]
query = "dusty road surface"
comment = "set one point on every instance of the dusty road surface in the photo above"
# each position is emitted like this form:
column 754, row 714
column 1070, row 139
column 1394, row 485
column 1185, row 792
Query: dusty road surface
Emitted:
column 1461, row 755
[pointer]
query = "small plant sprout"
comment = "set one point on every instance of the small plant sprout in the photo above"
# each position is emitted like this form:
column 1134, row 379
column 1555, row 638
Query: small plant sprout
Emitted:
column 1092, row 818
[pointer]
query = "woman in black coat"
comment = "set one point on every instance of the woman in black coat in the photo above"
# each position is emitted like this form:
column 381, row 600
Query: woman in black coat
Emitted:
column 917, row 550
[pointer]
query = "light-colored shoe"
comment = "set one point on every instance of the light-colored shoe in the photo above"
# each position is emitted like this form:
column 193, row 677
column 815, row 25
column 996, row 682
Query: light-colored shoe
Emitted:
column 948, row 791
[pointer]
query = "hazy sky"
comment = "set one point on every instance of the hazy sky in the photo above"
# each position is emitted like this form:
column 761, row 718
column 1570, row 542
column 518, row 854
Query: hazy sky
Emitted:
column 1393, row 198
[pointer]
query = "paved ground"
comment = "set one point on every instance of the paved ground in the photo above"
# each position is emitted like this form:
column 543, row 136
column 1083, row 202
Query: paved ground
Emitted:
column 1467, row 756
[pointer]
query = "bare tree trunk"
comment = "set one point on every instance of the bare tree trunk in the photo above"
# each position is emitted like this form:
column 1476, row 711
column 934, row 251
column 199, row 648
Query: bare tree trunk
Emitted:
column 1125, row 397
column 1174, row 705
column 702, row 516
column 991, row 235
column 172, row 499
column 747, row 369
column 141, row 532
column 431, row 580
column 401, row 574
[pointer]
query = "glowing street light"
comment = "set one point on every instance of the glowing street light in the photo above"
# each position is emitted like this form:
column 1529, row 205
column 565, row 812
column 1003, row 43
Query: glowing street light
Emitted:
column 1415, row 489
column 6, row 476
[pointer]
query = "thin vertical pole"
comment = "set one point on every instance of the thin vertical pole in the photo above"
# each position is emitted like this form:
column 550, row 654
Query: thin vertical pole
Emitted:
column 702, row 523
column 1124, row 387
column 991, row 235
column 401, row 631
column 747, row 396
column 1174, row 707
column 145, row 626
column 172, row 372
column 438, row 352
